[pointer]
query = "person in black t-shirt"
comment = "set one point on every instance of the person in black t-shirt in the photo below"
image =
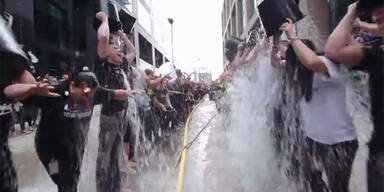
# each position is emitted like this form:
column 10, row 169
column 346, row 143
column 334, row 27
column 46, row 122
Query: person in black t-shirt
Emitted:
column 61, row 136
column 16, row 83
column 370, row 59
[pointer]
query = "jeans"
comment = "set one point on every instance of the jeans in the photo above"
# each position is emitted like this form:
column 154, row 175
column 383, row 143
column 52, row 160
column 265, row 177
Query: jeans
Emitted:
column 111, row 136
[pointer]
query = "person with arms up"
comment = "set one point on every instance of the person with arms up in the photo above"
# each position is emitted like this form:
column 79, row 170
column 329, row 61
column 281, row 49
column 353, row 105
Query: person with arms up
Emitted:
column 331, row 144
column 113, row 112
column 342, row 48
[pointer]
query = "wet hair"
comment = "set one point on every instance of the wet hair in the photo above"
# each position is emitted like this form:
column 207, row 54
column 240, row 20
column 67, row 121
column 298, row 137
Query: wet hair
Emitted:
column 148, row 72
column 366, row 7
column 369, row 5
column 299, row 74
column 85, row 76
column 231, row 45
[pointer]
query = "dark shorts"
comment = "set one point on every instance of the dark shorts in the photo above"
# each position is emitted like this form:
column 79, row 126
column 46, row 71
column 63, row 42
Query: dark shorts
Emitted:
column 335, row 160
column 61, row 159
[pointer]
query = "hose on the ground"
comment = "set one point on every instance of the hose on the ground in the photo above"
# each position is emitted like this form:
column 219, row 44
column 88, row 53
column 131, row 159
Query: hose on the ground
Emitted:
column 182, row 157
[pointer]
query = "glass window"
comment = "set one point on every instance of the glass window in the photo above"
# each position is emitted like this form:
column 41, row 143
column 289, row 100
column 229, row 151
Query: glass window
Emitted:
column 229, row 6
column 240, row 22
column 145, row 48
column 48, row 15
column 250, row 8
column 158, row 58
column 233, row 23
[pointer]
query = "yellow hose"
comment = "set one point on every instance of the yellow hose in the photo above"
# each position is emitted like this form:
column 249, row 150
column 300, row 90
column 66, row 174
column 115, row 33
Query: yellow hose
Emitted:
column 180, row 179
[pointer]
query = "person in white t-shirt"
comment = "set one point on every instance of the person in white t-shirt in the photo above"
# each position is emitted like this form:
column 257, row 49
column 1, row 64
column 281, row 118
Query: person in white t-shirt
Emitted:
column 331, row 140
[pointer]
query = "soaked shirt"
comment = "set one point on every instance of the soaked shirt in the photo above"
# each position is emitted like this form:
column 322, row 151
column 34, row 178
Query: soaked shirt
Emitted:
column 10, row 69
column 113, row 77
column 63, row 119
column 325, row 117
column 8, row 73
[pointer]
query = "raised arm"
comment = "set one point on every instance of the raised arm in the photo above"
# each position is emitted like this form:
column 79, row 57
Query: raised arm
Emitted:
column 158, row 80
column 122, row 94
column 340, row 47
column 127, row 42
column 103, row 35
column 104, row 94
column 306, row 55
column 169, row 103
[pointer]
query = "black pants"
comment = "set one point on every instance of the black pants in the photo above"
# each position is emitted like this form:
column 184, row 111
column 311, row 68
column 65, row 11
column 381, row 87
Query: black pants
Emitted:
column 336, row 160
column 375, row 171
column 168, row 120
column 150, row 124
column 62, row 154
column 129, row 137
column 8, row 178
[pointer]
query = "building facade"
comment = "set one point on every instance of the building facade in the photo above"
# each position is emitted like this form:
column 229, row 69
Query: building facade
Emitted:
column 239, row 17
column 152, row 33
column 61, row 33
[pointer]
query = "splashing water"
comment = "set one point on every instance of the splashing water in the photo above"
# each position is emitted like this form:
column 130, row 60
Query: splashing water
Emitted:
column 251, row 145
column 7, row 40
column 241, row 151
column 250, row 148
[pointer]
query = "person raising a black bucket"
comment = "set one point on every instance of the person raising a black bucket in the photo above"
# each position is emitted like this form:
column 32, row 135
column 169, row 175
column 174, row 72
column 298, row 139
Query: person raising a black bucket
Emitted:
column 332, row 144
column 367, row 15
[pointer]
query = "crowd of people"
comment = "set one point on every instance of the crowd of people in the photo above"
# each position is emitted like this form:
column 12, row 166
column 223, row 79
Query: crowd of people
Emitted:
column 310, row 123
column 161, row 103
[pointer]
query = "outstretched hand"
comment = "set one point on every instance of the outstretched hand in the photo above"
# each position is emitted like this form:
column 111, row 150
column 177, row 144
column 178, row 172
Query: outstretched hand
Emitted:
column 45, row 90
column 135, row 93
